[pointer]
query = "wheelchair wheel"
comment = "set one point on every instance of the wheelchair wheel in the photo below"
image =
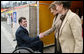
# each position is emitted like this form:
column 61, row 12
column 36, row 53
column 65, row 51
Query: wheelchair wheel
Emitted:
column 23, row 50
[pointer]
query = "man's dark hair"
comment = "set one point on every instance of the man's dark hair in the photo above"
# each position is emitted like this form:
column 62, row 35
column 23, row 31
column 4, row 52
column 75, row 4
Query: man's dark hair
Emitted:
column 20, row 19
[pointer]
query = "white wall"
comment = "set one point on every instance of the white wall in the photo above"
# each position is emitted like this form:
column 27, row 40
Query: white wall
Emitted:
column 22, row 12
column 30, row 13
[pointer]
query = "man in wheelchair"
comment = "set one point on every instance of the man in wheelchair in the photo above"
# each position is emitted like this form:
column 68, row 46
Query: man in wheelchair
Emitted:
column 23, row 39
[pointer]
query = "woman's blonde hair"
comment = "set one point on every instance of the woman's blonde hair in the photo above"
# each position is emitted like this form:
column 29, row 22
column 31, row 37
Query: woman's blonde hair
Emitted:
column 52, row 5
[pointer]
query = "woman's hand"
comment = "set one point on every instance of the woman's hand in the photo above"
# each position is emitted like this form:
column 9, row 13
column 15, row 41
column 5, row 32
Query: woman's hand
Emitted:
column 41, row 35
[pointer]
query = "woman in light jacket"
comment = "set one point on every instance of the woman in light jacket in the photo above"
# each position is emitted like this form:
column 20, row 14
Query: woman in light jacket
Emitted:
column 69, row 32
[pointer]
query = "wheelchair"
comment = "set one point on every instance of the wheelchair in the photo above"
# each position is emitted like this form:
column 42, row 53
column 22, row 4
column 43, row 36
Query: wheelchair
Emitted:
column 24, row 50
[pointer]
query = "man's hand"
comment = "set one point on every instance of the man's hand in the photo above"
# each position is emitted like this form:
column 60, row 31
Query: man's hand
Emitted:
column 41, row 35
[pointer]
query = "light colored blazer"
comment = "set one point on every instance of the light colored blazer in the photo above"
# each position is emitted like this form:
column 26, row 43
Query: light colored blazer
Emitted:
column 55, row 25
column 70, row 35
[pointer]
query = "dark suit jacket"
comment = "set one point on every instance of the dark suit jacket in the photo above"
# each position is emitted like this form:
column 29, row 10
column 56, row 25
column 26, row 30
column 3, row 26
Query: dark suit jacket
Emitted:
column 22, row 37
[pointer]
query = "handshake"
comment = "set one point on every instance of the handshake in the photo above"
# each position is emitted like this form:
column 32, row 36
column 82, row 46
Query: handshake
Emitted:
column 41, row 35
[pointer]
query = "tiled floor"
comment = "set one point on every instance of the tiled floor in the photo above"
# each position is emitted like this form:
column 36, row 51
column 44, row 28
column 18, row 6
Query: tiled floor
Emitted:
column 49, row 49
